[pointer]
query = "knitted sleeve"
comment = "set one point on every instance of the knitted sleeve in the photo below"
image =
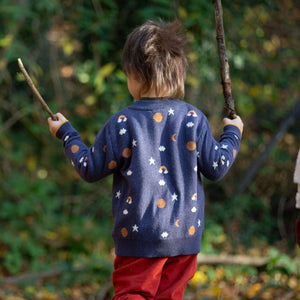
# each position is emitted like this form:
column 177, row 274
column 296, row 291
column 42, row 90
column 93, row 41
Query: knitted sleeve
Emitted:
column 91, row 163
column 215, row 158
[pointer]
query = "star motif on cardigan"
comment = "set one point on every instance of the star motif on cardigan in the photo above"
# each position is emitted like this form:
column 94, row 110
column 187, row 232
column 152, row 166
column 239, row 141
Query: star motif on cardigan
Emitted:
column 162, row 182
column 215, row 165
column 224, row 146
column 190, row 124
column 171, row 112
column 118, row 194
column 151, row 161
column 199, row 222
column 174, row 197
column 134, row 143
column 135, row 228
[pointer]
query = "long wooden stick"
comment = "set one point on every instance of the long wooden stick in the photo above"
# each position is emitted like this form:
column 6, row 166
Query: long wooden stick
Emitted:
column 224, row 65
column 35, row 91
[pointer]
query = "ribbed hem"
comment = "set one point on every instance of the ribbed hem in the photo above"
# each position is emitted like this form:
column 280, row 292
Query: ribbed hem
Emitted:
column 160, row 248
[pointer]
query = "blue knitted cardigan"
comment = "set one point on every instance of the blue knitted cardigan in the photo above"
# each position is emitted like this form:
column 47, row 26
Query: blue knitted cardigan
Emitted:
column 157, row 151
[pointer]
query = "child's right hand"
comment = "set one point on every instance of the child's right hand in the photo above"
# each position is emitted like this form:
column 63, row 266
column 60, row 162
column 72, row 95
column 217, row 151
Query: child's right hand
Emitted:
column 236, row 122
column 54, row 125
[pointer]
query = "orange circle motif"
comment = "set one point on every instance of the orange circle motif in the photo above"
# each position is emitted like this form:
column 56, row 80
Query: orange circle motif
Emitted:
column 192, row 230
column 124, row 232
column 112, row 165
column 74, row 148
column 126, row 152
column 161, row 203
column 191, row 145
column 158, row 117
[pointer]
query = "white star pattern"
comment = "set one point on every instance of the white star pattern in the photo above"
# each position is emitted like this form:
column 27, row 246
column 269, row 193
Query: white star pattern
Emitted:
column 134, row 143
column 236, row 136
column 216, row 147
column 224, row 146
column 125, row 212
column 196, row 168
column 215, row 165
column 93, row 149
column 151, row 161
column 198, row 154
column 199, row 222
column 81, row 160
column 66, row 138
column 171, row 111
column 162, row 182
column 118, row 194
column 164, row 234
column 135, row 228
column 174, row 197
column 190, row 124
column 162, row 148
column 194, row 209
column 228, row 162
column 122, row 131
column 129, row 173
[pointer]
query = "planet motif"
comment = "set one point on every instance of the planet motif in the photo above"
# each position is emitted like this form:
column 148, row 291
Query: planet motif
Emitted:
column 124, row 232
column 191, row 145
column 126, row 152
column 74, row 148
column 112, row 165
column 192, row 230
column 161, row 203
column 158, row 117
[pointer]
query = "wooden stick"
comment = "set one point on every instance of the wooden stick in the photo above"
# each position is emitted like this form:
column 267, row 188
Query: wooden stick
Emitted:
column 224, row 66
column 35, row 91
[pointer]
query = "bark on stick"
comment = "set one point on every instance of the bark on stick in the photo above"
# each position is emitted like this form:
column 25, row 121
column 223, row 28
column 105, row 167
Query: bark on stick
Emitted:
column 224, row 65
column 34, row 90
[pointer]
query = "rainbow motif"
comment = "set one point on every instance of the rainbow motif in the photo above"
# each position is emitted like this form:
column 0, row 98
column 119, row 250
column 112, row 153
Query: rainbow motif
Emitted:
column 194, row 197
column 122, row 118
column 192, row 113
column 163, row 170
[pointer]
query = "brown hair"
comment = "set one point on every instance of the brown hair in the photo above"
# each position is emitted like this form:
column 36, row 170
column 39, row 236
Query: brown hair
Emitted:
column 154, row 54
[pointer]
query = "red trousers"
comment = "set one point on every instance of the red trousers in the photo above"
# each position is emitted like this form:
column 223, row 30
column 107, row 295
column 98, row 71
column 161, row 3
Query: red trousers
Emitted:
column 137, row 278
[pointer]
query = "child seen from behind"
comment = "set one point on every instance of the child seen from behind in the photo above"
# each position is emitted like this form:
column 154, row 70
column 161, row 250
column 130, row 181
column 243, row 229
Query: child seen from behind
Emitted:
column 157, row 150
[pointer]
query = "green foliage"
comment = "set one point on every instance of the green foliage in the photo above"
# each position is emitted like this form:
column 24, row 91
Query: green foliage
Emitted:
column 72, row 50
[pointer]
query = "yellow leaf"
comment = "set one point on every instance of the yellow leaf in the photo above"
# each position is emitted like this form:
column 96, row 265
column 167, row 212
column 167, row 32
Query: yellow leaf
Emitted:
column 253, row 289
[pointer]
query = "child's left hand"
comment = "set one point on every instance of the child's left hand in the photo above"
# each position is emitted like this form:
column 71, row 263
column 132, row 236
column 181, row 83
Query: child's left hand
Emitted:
column 54, row 125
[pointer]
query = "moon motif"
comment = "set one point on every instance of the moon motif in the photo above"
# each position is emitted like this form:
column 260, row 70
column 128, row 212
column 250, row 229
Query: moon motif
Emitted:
column 177, row 222
column 173, row 137
column 234, row 153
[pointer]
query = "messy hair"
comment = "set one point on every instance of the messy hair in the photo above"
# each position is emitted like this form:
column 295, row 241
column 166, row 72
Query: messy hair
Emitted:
column 155, row 54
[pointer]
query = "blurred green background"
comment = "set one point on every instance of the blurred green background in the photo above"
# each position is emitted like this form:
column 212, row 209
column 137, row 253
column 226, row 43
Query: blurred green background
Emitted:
column 51, row 220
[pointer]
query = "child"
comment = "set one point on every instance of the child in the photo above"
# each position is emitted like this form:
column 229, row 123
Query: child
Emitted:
column 156, row 149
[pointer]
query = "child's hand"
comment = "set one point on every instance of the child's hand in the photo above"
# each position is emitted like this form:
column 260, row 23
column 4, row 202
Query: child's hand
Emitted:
column 54, row 125
column 236, row 122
